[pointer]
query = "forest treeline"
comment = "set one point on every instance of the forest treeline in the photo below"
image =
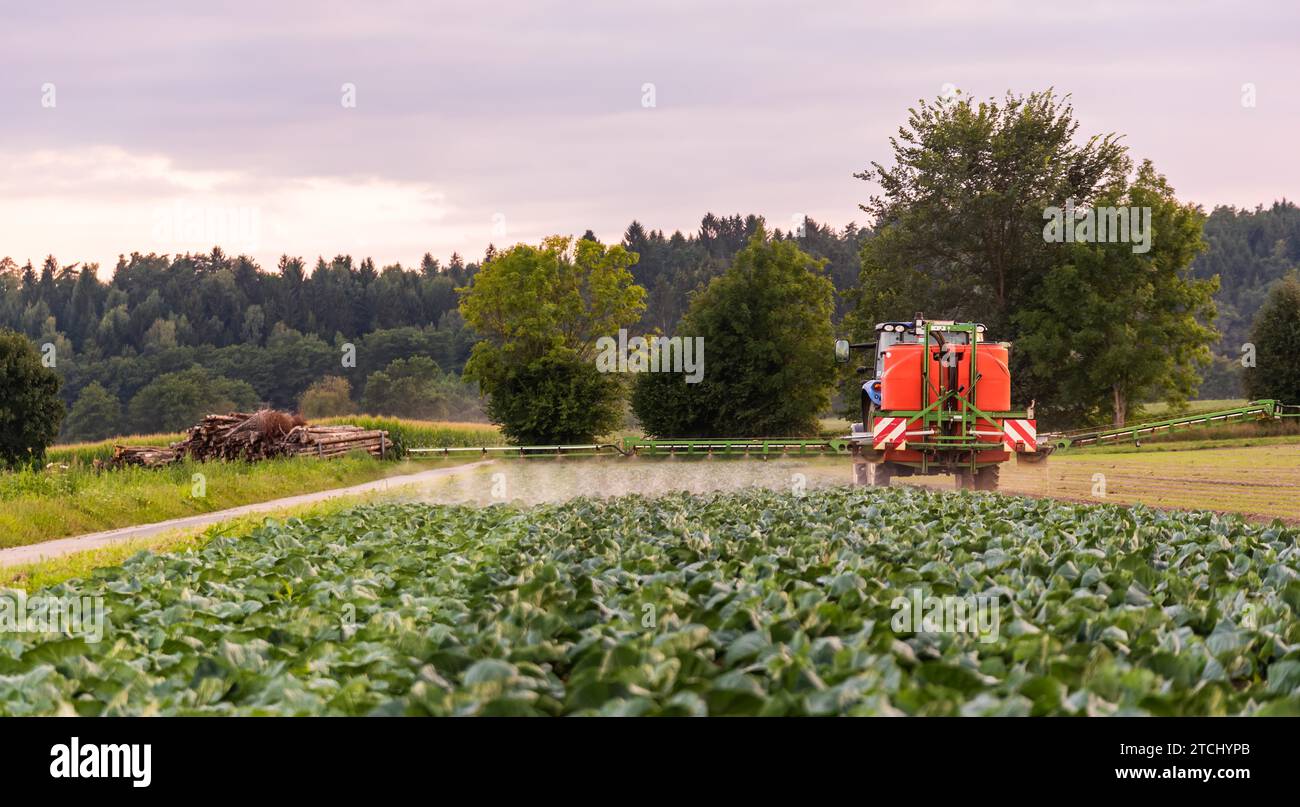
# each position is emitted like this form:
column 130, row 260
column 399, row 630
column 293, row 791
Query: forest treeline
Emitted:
column 143, row 347
column 1249, row 251
column 159, row 338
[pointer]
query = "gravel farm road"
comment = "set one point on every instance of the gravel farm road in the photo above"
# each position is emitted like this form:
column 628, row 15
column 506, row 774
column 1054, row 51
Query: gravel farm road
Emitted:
column 35, row 553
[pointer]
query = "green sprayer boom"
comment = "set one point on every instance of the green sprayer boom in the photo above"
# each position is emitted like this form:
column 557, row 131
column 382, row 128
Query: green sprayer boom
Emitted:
column 758, row 446
column 1255, row 410
column 765, row 447
column 632, row 446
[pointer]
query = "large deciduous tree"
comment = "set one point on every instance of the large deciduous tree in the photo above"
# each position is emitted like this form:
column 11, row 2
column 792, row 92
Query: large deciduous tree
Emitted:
column 539, row 311
column 1114, row 324
column 959, row 217
column 768, row 359
column 961, row 234
column 30, row 408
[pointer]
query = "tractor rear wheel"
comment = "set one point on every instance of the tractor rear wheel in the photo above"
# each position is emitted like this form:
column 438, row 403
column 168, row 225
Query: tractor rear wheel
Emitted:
column 963, row 478
column 877, row 474
column 986, row 478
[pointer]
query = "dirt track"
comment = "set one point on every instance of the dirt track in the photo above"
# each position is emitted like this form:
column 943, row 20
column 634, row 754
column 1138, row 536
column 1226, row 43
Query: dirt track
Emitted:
column 1257, row 480
column 79, row 543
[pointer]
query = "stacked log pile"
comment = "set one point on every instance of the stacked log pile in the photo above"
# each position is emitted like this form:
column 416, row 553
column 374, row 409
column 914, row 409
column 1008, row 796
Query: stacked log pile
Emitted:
column 239, row 436
column 148, row 456
column 257, row 436
column 335, row 441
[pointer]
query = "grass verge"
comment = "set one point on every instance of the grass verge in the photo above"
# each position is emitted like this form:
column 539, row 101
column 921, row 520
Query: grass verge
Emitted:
column 38, row 506
column 35, row 576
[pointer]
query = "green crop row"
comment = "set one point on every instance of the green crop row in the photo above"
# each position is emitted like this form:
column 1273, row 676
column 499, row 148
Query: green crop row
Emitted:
column 742, row 603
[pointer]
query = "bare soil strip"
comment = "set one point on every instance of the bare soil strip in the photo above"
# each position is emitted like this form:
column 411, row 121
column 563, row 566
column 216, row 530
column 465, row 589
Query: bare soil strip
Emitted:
column 1257, row 481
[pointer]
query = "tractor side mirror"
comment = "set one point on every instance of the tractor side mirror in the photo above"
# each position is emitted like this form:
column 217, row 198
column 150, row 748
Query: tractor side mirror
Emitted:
column 841, row 350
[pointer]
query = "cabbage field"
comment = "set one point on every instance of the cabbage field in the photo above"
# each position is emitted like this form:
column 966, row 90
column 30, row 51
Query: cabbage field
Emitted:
column 739, row 603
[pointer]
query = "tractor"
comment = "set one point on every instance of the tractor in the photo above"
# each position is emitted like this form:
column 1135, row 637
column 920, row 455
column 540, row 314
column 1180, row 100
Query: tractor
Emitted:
column 938, row 402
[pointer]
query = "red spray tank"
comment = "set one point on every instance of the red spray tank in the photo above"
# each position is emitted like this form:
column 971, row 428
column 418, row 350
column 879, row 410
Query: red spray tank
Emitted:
column 902, row 379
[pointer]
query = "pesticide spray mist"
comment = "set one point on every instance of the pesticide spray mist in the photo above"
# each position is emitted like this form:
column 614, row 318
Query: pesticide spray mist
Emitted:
column 548, row 480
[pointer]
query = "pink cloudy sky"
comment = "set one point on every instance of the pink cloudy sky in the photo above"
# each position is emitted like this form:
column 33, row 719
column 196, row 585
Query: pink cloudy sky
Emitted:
column 504, row 121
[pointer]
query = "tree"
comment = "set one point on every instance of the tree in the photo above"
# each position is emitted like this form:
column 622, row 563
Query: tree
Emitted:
column 176, row 401
column 1276, row 337
column 1113, row 325
column 328, row 397
column 254, row 325
column 540, row 309
column 87, row 294
column 30, row 408
column 1247, row 250
column 766, row 325
column 96, row 415
column 555, row 399
column 296, row 362
column 413, row 388
column 960, row 217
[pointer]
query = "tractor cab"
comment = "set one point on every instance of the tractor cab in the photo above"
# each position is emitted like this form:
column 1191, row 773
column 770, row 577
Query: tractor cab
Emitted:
column 890, row 334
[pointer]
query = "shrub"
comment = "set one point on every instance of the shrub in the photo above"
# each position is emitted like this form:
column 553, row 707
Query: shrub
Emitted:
column 556, row 400
column 328, row 397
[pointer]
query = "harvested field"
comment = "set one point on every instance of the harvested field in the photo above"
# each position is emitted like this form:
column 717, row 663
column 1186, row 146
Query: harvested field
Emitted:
column 1256, row 480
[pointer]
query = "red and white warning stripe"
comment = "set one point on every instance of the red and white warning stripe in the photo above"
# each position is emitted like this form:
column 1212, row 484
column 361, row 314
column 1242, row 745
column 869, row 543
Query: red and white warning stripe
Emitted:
column 1020, row 430
column 887, row 431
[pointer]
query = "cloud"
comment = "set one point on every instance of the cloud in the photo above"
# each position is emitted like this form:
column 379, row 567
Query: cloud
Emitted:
column 98, row 202
column 469, row 112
